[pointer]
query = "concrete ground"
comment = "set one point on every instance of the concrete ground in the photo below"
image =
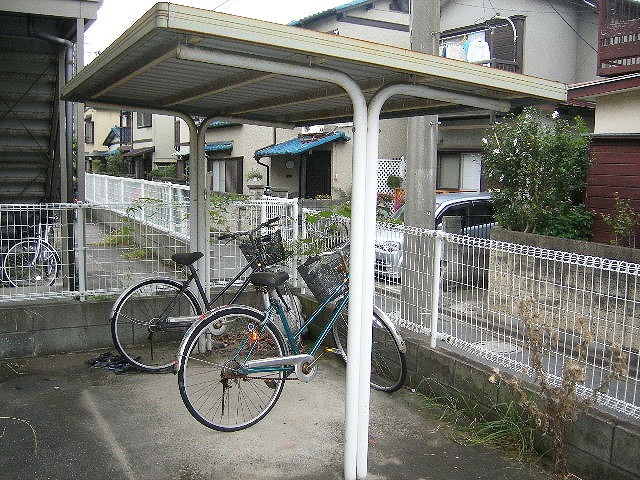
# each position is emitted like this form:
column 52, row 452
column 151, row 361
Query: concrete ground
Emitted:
column 61, row 419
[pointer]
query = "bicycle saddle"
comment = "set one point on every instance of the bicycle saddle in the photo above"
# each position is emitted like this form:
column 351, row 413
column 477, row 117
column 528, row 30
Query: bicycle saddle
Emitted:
column 186, row 259
column 269, row 280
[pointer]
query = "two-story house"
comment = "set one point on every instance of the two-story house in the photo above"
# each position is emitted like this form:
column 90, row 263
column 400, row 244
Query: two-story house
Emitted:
column 615, row 146
column 551, row 39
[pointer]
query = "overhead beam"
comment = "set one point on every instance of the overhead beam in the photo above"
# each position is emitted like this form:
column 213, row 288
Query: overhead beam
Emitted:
column 158, row 58
column 216, row 87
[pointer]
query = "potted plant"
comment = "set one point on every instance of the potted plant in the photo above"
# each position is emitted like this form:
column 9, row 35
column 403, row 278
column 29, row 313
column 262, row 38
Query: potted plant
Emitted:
column 254, row 177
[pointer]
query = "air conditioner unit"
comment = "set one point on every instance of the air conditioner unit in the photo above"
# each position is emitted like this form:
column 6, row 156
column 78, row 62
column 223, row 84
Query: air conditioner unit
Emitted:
column 313, row 129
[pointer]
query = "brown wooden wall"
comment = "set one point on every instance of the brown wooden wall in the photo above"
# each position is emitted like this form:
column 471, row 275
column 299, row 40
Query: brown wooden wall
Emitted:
column 615, row 168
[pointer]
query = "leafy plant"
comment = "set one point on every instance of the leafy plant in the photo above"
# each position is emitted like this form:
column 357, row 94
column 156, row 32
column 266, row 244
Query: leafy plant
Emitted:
column 623, row 221
column 394, row 181
column 116, row 164
column 254, row 175
column 122, row 237
column 536, row 167
column 167, row 171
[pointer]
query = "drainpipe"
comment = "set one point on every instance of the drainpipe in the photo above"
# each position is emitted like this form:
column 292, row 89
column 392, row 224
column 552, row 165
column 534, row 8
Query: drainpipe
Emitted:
column 68, row 46
column 268, row 185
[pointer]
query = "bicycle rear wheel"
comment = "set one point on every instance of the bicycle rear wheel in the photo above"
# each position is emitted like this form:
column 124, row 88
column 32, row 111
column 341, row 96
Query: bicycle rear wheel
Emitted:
column 138, row 322
column 388, row 363
column 30, row 262
column 213, row 385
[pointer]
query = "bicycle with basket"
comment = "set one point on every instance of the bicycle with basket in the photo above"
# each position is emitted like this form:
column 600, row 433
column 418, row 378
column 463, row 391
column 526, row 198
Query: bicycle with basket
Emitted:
column 238, row 383
column 149, row 319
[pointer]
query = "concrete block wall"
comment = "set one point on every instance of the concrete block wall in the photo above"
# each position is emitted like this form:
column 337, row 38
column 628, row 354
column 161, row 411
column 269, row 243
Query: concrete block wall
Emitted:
column 600, row 446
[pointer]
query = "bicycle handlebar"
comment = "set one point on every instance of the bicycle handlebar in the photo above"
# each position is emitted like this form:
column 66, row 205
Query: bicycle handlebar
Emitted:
column 268, row 223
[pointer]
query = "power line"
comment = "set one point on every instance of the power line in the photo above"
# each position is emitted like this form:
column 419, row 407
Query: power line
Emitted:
column 570, row 26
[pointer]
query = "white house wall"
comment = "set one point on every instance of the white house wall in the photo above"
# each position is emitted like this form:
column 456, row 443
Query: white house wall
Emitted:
column 612, row 108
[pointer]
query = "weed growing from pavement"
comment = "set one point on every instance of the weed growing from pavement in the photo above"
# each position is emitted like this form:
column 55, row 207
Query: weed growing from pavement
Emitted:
column 502, row 425
column 556, row 404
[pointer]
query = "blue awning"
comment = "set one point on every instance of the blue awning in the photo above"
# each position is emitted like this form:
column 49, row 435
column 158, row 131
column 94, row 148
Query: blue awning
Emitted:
column 218, row 147
column 299, row 145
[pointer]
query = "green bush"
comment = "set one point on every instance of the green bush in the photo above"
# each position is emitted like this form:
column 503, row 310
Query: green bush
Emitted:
column 536, row 167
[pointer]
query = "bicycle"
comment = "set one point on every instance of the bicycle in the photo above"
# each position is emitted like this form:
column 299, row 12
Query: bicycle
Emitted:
column 149, row 318
column 238, row 383
column 28, row 257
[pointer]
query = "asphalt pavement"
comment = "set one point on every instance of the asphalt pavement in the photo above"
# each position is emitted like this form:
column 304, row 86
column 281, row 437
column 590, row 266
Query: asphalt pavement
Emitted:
column 62, row 419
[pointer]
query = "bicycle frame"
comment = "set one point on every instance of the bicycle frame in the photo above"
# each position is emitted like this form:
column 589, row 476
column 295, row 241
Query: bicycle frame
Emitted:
column 185, row 322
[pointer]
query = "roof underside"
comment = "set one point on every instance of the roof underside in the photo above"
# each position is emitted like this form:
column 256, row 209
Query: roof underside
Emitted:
column 143, row 69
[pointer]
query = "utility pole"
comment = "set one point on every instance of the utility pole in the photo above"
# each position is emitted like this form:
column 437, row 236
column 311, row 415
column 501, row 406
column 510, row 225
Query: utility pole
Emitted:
column 422, row 132
column 422, row 154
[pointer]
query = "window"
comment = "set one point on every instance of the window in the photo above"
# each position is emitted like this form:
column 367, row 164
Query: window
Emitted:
column 496, row 42
column 88, row 130
column 143, row 119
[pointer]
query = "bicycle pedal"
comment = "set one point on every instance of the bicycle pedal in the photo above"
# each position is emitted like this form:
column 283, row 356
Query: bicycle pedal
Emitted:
column 271, row 383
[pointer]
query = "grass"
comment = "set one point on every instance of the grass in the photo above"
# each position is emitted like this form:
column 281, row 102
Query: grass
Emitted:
column 505, row 425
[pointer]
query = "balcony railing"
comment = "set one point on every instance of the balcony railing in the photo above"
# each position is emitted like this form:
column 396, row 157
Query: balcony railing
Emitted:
column 619, row 39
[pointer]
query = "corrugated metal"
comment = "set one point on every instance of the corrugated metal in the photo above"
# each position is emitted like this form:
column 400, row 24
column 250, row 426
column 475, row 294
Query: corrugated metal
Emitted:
column 299, row 145
column 143, row 69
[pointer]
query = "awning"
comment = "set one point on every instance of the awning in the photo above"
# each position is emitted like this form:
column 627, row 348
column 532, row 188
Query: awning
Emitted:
column 218, row 147
column 102, row 153
column 299, row 145
column 182, row 59
column 138, row 152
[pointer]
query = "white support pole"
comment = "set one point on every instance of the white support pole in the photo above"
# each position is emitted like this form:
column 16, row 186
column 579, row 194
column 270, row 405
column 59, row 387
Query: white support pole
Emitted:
column 373, row 127
column 199, row 198
column 358, row 207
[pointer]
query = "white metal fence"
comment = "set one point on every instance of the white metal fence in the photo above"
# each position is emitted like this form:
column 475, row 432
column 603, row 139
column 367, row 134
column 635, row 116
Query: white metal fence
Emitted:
column 464, row 289
column 483, row 289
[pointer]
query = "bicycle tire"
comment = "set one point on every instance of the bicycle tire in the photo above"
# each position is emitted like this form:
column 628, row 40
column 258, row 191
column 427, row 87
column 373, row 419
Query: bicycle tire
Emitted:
column 135, row 322
column 215, row 393
column 388, row 362
column 30, row 262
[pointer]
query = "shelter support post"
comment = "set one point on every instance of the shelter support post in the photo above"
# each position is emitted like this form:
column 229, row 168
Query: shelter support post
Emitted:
column 358, row 206
column 373, row 129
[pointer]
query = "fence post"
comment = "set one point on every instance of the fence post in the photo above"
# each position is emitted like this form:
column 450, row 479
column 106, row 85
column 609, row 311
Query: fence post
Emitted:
column 294, row 239
column 435, row 287
column 81, row 251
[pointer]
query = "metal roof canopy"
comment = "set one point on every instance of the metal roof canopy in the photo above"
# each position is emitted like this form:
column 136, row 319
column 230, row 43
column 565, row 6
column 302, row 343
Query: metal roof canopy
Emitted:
column 192, row 62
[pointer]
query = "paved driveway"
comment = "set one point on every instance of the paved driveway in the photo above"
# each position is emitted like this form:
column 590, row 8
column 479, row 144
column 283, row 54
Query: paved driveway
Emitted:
column 89, row 423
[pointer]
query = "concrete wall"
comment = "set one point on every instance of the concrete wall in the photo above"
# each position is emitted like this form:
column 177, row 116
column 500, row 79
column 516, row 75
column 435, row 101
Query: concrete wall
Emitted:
column 566, row 292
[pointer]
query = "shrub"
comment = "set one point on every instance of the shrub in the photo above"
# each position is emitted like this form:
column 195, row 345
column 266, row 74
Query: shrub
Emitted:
column 537, row 167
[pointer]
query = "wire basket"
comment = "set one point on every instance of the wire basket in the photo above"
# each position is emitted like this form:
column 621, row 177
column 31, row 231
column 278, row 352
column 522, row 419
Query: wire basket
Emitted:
column 272, row 246
column 323, row 274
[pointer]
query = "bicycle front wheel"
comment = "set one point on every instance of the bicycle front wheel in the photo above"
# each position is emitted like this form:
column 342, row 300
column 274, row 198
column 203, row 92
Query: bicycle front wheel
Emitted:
column 139, row 326
column 388, row 363
column 31, row 262
column 215, row 386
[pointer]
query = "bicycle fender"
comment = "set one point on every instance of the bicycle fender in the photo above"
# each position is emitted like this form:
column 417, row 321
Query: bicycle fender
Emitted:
column 385, row 319
column 186, row 339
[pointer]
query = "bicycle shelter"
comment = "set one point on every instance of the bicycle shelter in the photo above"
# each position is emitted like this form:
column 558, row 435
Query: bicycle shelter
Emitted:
column 192, row 63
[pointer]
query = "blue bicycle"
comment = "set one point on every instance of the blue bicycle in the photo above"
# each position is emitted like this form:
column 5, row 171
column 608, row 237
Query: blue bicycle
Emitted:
column 237, row 383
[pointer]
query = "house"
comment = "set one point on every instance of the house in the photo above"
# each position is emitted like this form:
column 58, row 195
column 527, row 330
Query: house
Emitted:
column 36, row 141
column 551, row 39
column 615, row 148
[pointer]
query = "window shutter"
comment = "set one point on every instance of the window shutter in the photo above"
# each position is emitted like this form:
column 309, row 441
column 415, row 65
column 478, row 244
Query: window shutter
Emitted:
column 506, row 55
